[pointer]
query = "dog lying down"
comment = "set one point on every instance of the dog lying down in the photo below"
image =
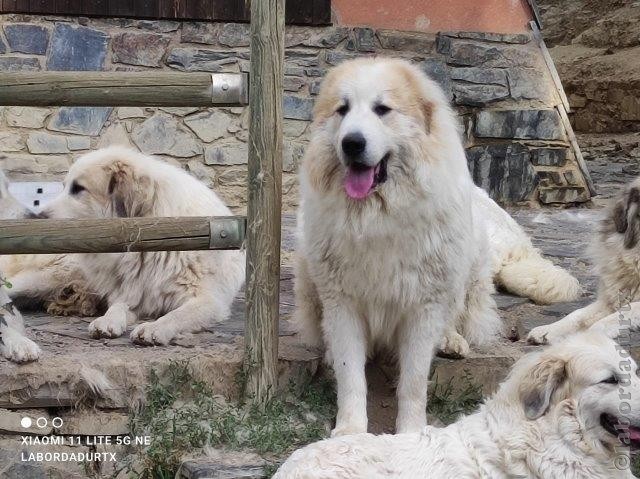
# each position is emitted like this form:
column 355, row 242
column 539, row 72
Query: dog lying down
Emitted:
column 185, row 290
column 555, row 417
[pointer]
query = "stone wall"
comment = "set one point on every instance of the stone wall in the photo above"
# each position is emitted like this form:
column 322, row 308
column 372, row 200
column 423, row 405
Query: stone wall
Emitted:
column 517, row 147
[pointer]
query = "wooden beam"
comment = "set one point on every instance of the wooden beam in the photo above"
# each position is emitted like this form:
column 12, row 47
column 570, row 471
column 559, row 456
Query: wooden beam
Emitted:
column 122, row 89
column 120, row 235
column 265, row 198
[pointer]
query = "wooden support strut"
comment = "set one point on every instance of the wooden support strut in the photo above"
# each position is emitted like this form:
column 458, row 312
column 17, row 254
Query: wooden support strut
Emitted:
column 123, row 89
column 120, row 235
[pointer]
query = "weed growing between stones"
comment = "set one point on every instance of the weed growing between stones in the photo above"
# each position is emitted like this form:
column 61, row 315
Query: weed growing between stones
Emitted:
column 181, row 415
column 448, row 404
column 635, row 466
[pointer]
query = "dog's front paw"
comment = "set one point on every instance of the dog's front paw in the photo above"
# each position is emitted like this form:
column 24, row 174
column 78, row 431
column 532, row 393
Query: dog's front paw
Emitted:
column 542, row 335
column 152, row 333
column 454, row 346
column 18, row 348
column 348, row 428
column 110, row 326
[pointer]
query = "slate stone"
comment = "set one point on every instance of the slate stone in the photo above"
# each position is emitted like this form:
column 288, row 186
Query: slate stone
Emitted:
column 76, row 48
column 42, row 142
column 504, row 171
column 75, row 143
column 303, row 58
column 200, row 32
column 438, row 71
column 469, row 53
column 565, row 194
column 478, row 95
column 572, row 178
column 230, row 153
column 162, row 26
column 337, row 57
column 549, row 178
column 10, row 141
column 209, row 125
column 549, row 156
column 407, row 41
column 162, row 135
column 520, row 124
column 483, row 76
column 529, row 84
column 25, row 471
column 144, row 49
column 235, row 35
column 317, row 37
column 125, row 112
column 314, row 87
column 364, row 40
column 443, row 44
column 3, row 47
column 293, row 153
column 297, row 108
column 520, row 38
column 26, row 117
column 80, row 120
column 18, row 64
column 293, row 83
column 193, row 59
column 314, row 72
column 27, row 38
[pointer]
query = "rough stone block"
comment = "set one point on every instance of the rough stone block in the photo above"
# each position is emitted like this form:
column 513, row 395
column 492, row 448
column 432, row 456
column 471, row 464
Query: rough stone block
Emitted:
column 303, row 58
column 294, row 128
column 19, row 64
column 438, row 71
column 337, row 57
column 297, row 108
column 26, row 117
column 94, row 423
column 200, row 32
column 314, row 72
column 209, row 125
column 75, row 143
column 10, row 141
column 228, row 153
column 520, row 38
column 481, row 76
column 293, row 83
column 27, row 38
column 528, row 84
column 315, row 37
column 145, row 49
column 566, row 194
column 422, row 43
column 504, row 171
column 11, row 422
column 77, row 48
column 196, row 59
column 364, row 40
column 46, row 143
column 179, row 110
column 549, row 156
column 469, row 53
column 3, row 47
column 572, row 178
column 115, row 134
column 162, row 135
column 478, row 95
column 125, row 112
column 520, row 124
column 234, row 35
column 80, row 120
column 293, row 153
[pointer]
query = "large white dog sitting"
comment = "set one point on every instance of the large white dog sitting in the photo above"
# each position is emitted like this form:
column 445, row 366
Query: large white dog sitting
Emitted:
column 398, row 248
column 556, row 417
column 184, row 291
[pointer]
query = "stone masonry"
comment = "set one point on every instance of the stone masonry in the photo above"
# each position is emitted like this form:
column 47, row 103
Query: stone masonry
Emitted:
column 517, row 147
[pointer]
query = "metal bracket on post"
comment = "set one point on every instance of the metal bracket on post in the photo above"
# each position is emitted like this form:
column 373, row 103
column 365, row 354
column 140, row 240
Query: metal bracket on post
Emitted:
column 226, row 232
column 228, row 88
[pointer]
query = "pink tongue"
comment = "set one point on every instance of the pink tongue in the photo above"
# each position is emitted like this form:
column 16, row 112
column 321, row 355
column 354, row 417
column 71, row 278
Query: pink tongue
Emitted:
column 358, row 183
column 634, row 433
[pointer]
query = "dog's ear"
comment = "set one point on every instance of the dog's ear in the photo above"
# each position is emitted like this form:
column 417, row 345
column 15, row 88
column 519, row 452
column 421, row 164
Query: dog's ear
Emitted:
column 539, row 384
column 625, row 217
column 131, row 195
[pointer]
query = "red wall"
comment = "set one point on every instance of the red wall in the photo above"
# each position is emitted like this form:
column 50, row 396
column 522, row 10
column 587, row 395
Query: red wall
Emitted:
column 500, row 16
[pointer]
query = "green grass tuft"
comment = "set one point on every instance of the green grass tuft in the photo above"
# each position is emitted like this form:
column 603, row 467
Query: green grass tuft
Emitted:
column 448, row 404
column 635, row 466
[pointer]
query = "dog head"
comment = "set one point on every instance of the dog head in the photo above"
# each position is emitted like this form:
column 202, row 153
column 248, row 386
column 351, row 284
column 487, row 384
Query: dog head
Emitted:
column 625, row 215
column 10, row 208
column 587, row 379
column 106, row 183
column 379, row 123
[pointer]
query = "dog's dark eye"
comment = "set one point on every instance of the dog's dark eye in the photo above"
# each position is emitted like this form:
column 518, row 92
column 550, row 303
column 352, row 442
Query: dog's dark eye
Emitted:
column 611, row 380
column 343, row 110
column 76, row 188
column 381, row 109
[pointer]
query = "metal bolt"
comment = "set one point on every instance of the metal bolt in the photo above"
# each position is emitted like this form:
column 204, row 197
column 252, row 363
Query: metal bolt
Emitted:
column 225, row 86
column 223, row 234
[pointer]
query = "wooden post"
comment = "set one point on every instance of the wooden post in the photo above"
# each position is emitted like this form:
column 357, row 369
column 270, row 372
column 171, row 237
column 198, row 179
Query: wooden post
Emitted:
column 265, row 198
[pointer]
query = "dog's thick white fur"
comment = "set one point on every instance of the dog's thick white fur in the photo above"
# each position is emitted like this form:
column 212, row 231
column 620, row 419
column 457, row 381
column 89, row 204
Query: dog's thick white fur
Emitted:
column 616, row 255
column 185, row 290
column 555, row 417
column 397, row 246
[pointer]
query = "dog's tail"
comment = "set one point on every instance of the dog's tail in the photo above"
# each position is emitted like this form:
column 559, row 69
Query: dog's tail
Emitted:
column 518, row 266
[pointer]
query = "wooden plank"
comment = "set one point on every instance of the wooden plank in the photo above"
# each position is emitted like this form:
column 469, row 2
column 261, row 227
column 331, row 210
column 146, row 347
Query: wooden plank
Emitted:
column 42, row 6
column 67, row 7
column 122, row 89
column 122, row 8
column 265, row 198
column 199, row 9
column 95, row 7
column 321, row 12
column 147, row 8
column 563, row 107
column 120, row 235
column 8, row 5
column 22, row 6
column 302, row 13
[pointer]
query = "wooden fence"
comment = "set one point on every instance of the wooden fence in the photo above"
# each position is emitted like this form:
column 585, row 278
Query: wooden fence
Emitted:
column 262, row 226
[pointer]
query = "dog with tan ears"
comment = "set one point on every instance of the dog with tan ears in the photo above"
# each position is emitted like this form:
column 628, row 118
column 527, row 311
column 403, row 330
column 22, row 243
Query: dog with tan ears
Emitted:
column 398, row 249
column 557, row 416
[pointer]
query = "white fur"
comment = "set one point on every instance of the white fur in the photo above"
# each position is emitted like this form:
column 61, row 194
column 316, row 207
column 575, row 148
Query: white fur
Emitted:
column 182, row 291
column 409, row 268
column 502, row 440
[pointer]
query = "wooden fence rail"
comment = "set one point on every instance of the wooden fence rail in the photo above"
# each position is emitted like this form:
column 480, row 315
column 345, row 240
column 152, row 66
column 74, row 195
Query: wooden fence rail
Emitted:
column 123, row 89
column 121, row 235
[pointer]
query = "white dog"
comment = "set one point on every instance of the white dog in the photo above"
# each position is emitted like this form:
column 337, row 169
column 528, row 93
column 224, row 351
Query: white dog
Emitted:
column 186, row 290
column 557, row 416
column 616, row 254
column 397, row 246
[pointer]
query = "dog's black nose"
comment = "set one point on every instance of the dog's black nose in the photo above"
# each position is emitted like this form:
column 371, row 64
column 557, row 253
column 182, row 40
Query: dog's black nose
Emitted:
column 36, row 216
column 354, row 144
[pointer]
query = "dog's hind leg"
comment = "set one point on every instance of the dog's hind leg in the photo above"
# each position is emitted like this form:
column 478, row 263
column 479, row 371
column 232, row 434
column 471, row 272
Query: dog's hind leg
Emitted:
column 619, row 324
column 307, row 317
column 579, row 320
